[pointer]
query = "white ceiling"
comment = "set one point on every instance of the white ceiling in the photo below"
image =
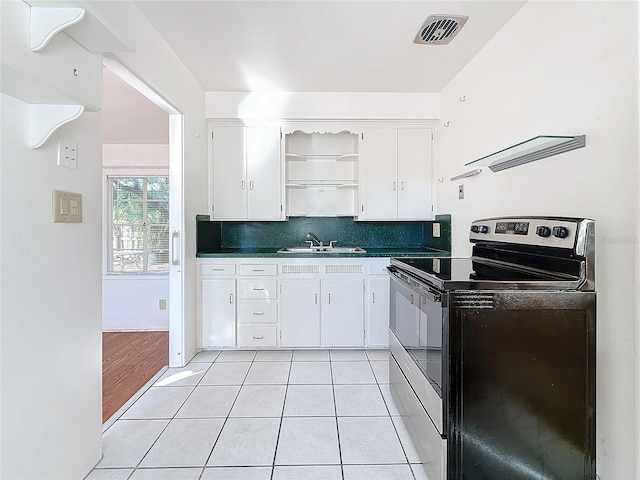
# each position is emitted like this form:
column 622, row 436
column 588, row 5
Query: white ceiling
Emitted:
column 321, row 45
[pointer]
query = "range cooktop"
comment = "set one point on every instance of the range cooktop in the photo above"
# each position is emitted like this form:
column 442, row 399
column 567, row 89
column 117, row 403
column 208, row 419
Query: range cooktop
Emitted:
column 468, row 273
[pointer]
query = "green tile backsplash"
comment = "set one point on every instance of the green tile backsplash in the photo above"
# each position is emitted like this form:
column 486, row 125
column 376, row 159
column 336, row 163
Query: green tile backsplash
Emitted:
column 213, row 236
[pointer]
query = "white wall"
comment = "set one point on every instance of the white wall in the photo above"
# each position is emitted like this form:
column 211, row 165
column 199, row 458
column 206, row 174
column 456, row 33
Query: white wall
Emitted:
column 135, row 156
column 50, row 382
column 156, row 65
column 322, row 105
column 131, row 302
column 561, row 68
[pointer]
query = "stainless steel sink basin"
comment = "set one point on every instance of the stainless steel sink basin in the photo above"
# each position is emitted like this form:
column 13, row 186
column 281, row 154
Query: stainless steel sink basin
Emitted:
column 322, row 250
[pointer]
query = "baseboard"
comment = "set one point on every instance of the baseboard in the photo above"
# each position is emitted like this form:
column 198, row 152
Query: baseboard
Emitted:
column 93, row 460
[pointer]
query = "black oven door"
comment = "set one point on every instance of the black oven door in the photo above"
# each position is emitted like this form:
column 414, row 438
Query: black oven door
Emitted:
column 416, row 319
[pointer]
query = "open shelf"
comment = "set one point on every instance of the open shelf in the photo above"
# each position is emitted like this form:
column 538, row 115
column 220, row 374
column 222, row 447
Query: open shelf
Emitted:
column 535, row 148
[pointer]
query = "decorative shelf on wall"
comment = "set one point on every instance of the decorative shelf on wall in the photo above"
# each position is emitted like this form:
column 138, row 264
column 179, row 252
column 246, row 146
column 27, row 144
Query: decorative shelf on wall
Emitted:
column 530, row 150
column 50, row 106
column 81, row 24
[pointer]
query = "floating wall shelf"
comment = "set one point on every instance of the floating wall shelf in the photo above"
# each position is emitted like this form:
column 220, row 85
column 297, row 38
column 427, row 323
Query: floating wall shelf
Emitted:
column 535, row 148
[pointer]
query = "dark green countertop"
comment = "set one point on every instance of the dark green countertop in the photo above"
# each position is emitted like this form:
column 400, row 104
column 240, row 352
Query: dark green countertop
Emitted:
column 371, row 252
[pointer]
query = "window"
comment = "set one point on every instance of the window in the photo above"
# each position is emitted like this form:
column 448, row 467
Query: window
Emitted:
column 139, row 227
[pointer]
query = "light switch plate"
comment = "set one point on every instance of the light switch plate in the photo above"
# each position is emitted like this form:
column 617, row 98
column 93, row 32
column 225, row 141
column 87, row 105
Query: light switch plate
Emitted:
column 68, row 153
column 67, row 207
column 460, row 192
column 436, row 230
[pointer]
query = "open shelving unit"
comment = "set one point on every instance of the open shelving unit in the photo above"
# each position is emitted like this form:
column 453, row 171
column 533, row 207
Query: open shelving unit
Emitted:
column 321, row 174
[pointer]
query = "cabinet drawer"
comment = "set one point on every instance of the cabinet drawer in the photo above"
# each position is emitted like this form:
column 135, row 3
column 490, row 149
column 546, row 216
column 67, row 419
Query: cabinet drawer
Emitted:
column 259, row 312
column 256, row 336
column 217, row 269
column 258, row 270
column 258, row 288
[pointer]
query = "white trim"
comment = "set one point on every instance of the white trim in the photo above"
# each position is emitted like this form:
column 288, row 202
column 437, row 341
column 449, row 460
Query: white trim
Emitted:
column 134, row 82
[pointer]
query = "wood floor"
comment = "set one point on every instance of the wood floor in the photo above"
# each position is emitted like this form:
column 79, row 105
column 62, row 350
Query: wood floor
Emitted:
column 129, row 360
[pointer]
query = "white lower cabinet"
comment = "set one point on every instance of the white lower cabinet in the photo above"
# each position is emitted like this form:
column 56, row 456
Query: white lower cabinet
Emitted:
column 377, row 311
column 294, row 303
column 218, row 312
column 343, row 313
column 300, row 312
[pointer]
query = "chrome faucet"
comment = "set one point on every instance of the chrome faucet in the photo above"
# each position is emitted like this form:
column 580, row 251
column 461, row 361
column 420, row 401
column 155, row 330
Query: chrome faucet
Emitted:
column 314, row 239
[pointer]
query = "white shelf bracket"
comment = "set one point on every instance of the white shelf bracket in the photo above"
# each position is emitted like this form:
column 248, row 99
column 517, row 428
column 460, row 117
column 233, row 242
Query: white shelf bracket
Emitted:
column 46, row 119
column 46, row 22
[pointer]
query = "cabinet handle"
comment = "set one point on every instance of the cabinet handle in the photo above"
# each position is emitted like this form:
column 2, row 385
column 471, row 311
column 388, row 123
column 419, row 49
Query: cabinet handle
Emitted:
column 329, row 299
column 258, row 270
column 217, row 269
column 373, row 297
column 258, row 337
column 251, row 185
column 316, row 297
column 412, row 299
column 231, row 298
column 394, row 186
column 257, row 289
column 258, row 313
column 402, row 185
column 242, row 185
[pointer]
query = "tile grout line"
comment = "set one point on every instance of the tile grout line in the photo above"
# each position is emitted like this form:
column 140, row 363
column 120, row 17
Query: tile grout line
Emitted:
column 224, row 423
column 335, row 410
column 284, row 403
column 193, row 389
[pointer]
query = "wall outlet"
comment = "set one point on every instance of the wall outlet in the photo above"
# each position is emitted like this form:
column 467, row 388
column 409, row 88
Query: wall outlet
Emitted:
column 162, row 304
column 68, row 154
column 436, row 230
column 460, row 192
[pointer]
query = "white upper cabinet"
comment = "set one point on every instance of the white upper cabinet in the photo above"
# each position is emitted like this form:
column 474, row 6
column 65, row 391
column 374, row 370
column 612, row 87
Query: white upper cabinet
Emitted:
column 396, row 174
column 246, row 173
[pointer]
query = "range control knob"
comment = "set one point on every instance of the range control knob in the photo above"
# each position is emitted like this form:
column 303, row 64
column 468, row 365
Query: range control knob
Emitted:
column 543, row 231
column 479, row 229
column 560, row 232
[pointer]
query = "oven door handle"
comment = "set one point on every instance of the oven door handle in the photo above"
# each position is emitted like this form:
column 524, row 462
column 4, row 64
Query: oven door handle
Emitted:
column 425, row 290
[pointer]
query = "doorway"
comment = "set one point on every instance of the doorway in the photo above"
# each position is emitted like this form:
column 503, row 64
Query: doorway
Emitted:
column 142, row 285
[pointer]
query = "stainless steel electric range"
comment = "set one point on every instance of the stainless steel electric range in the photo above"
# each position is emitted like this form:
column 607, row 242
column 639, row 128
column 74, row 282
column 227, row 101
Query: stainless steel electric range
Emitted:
column 493, row 356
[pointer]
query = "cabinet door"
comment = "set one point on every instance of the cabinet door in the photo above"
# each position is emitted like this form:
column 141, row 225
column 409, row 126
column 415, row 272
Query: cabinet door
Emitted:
column 264, row 173
column 377, row 311
column 300, row 307
column 414, row 173
column 343, row 312
column 229, row 185
column 378, row 182
column 219, row 313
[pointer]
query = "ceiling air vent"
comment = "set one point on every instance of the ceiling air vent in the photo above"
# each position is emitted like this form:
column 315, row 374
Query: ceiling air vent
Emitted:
column 439, row 29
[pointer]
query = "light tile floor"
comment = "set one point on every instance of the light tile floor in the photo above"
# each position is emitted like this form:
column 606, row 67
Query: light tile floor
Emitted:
column 265, row 415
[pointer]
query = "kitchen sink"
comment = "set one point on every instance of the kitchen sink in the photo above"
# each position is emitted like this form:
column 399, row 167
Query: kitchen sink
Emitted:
column 322, row 250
